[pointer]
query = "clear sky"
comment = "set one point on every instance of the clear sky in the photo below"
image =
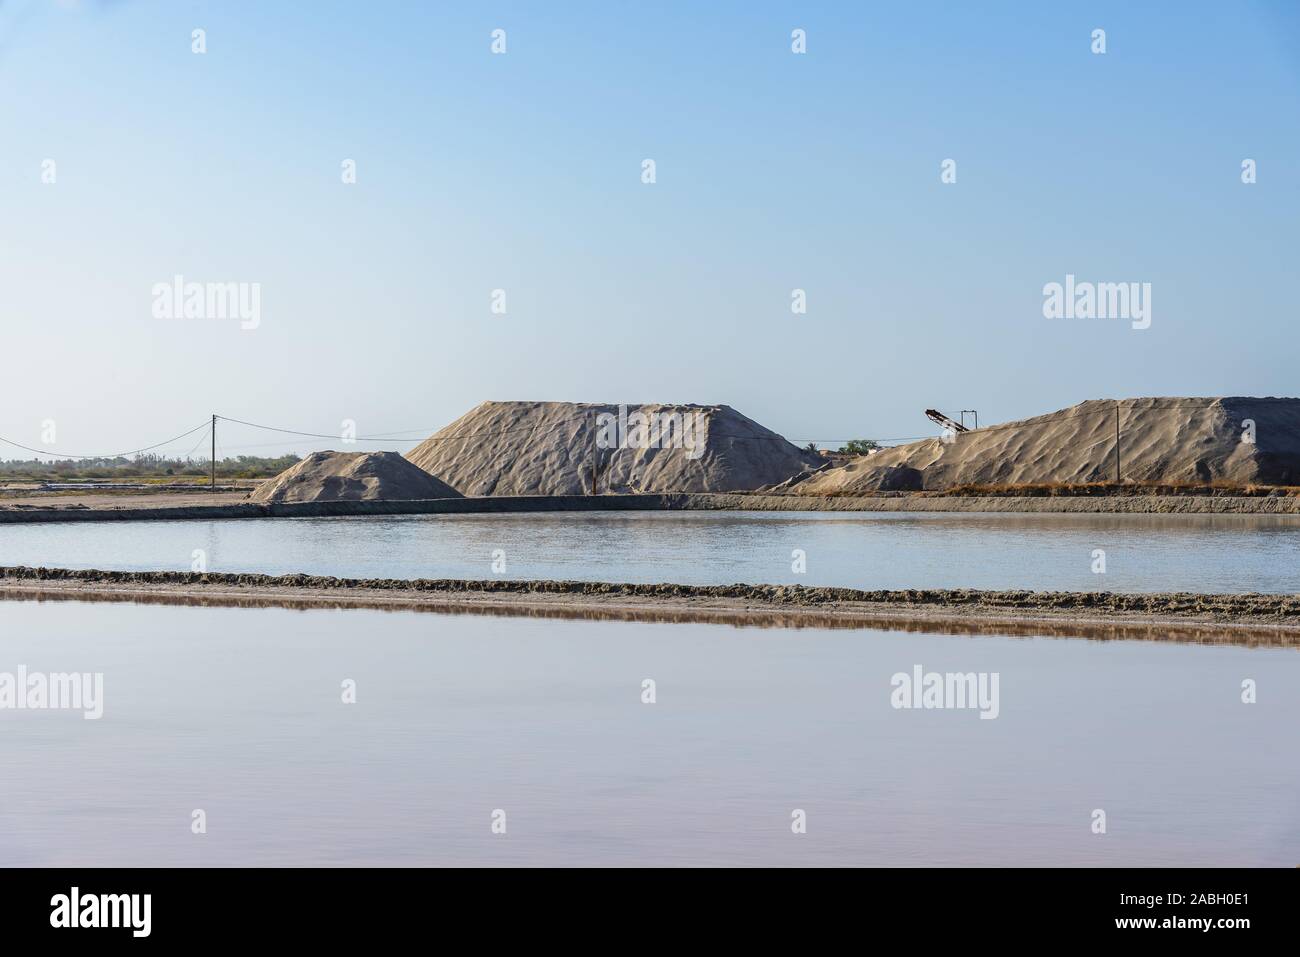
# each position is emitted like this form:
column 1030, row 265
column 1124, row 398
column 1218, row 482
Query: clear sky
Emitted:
column 522, row 172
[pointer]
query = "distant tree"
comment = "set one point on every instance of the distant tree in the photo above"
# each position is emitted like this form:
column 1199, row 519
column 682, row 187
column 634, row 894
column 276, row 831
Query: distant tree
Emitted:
column 860, row 446
column 811, row 447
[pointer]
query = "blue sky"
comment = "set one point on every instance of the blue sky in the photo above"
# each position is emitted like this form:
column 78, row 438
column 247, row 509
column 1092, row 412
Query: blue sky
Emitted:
column 521, row 172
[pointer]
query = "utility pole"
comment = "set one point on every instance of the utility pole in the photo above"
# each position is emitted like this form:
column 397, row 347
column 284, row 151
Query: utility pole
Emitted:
column 214, row 453
column 1116, row 443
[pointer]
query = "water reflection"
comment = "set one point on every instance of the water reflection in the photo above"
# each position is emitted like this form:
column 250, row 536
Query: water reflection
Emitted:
column 1199, row 633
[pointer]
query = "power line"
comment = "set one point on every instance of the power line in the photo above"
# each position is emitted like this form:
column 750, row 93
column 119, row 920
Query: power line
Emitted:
column 202, row 439
column 281, row 444
column 386, row 437
column 116, row 455
column 1035, row 421
column 382, row 436
column 1043, row 420
column 379, row 436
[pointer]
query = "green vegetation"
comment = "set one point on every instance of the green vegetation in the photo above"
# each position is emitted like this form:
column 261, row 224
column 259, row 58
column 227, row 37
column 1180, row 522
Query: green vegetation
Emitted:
column 143, row 468
column 860, row 446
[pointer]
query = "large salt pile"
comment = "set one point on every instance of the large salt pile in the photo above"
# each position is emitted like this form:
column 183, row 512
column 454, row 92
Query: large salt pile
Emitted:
column 551, row 448
column 352, row 477
column 1170, row 440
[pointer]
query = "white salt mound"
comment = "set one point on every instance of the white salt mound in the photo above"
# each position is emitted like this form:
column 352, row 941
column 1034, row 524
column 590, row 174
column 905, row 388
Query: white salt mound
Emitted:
column 352, row 477
column 549, row 448
column 1170, row 440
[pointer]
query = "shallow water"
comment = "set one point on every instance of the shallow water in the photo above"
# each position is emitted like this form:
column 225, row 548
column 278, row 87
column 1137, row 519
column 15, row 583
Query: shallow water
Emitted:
column 1214, row 553
column 239, row 713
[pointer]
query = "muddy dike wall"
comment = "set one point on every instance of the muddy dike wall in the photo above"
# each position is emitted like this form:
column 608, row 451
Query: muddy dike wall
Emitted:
column 1280, row 607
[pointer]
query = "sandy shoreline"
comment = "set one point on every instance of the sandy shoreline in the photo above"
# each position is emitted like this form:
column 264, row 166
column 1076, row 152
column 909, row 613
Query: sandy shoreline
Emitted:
column 1254, row 620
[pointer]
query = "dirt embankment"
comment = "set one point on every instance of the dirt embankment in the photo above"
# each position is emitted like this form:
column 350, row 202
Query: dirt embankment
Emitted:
column 26, row 500
column 196, row 508
column 1248, row 619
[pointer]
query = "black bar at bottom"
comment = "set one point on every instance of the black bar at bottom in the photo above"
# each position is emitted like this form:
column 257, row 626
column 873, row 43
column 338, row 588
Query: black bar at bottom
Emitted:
column 207, row 906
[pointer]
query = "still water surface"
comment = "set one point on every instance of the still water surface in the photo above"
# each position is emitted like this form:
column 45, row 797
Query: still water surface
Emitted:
column 238, row 712
column 1214, row 553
